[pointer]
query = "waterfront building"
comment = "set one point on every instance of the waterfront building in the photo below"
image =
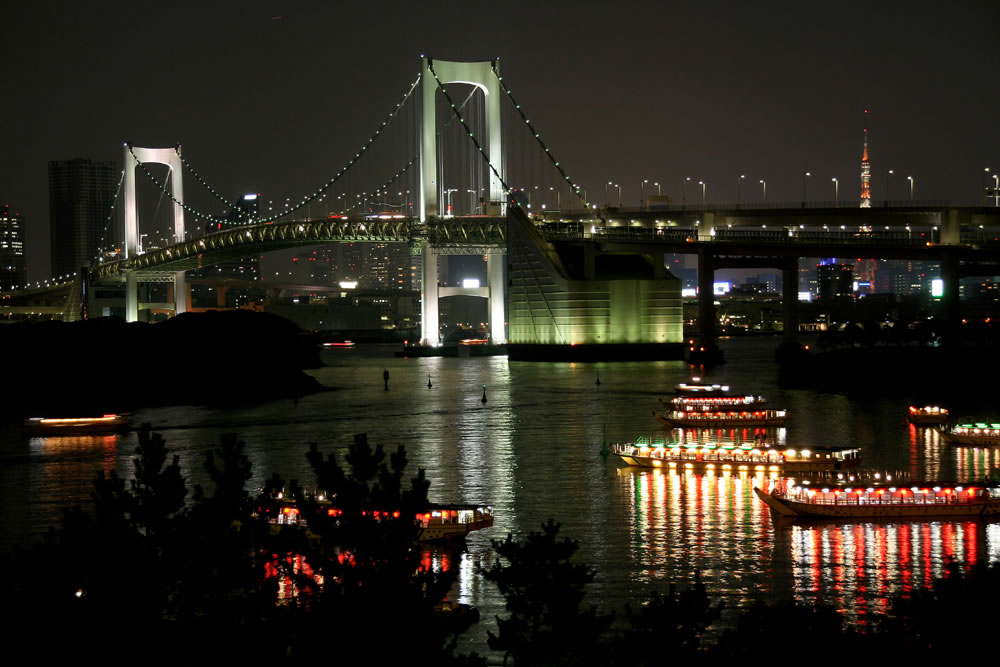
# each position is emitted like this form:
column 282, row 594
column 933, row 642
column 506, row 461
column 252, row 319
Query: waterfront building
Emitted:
column 12, row 271
column 81, row 193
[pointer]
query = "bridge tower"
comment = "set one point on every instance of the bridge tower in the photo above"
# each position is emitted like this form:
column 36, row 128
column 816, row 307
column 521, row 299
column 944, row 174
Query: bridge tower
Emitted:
column 483, row 75
column 171, row 157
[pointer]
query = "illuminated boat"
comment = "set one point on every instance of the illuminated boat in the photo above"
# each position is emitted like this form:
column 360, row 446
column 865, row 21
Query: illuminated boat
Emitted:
column 439, row 522
column 722, row 411
column 977, row 434
column 867, row 500
column 55, row 426
column 656, row 452
column 929, row 415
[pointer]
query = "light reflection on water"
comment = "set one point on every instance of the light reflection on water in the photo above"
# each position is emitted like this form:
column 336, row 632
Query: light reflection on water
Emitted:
column 532, row 452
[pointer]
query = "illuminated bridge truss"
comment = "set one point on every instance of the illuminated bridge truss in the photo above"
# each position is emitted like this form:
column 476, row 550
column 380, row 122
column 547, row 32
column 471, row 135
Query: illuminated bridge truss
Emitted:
column 449, row 237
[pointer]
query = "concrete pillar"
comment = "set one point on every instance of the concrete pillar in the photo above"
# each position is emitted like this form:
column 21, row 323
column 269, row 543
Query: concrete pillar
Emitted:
column 167, row 156
column 706, row 298
column 951, row 229
column 131, row 297
column 706, row 228
column 430, row 328
column 497, row 285
column 790, row 300
column 951, row 315
column 180, row 293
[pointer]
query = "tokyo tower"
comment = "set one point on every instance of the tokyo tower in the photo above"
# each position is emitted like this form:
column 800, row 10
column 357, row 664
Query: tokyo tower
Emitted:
column 866, row 171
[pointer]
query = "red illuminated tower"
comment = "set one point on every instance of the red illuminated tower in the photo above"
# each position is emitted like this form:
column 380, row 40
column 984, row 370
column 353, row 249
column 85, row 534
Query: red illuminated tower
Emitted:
column 866, row 171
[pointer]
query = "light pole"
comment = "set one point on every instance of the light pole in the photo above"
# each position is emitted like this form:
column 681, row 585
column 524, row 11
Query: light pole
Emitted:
column 558, row 198
column 642, row 190
column 606, row 193
column 739, row 183
column 684, row 192
column 836, row 193
column 996, row 190
column 910, row 179
column 804, row 177
column 472, row 201
column 763, row 195
column 982, row 186
column 619, row 194
column 703, row 185
column 447, row 198
column 887, row 174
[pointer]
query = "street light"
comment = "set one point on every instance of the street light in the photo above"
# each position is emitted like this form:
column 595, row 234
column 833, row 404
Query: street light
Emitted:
column 684, row 192
column 739, row 182
column 910, row 179
column 558, row 198
column 606, row 193
column 447, row 198
column 836, row 193
column 619, row 194
column 472, row 201
column 996, row 190
column 657, row 189
column 642, row 190
column 702, row 184
column 763, row 196
column 982, row 188
column 804, row 176
column 887, row 198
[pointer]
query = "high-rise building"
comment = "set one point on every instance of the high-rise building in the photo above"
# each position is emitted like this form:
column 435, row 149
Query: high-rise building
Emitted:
column 866, row 171
column 81, row 193
column 836, row 281
column 12, row 272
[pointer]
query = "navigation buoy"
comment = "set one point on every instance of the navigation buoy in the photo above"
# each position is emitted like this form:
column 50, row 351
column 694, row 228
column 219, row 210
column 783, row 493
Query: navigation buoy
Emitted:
column 429, row 380
column 484, row 393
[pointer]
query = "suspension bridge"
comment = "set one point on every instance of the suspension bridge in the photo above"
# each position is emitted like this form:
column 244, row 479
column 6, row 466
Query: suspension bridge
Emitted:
column 448, row 175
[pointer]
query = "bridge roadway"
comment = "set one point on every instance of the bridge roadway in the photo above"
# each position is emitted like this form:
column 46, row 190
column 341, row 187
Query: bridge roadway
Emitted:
column 877, row 233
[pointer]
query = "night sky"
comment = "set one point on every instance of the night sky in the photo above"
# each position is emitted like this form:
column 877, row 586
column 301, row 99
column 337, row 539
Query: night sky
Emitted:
column 275, row 97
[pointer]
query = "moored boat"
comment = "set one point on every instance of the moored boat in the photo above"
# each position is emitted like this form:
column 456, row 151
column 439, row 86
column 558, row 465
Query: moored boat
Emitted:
column 698, row 411
column 656, row 452
column 929, row 415
column 906, row 500
column 58, row 426
column 976, row 434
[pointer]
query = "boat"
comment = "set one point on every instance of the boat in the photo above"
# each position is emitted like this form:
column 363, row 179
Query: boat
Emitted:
column 929, row 415
column 437, row 523
column 656, row 452
column 58, row 426
column 746, row 410
column 976, row 434
column 883, row 499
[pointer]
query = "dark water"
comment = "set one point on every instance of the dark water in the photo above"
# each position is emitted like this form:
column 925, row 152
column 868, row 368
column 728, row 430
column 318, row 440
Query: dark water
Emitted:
column 532, row 451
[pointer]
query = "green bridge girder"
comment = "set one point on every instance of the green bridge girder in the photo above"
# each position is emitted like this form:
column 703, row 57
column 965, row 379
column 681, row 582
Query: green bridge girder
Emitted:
column 455, row 234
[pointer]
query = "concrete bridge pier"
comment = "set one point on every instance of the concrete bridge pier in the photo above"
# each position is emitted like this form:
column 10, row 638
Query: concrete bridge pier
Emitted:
column 790, row 301
column 495, row 283
column 430, row 328
column 704, row 351
column 131, row 296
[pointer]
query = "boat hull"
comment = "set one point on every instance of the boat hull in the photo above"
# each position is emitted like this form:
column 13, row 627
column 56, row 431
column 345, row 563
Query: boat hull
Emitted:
column 72, row 427
column 792, row 509
column 972, row 440
column 788, row 467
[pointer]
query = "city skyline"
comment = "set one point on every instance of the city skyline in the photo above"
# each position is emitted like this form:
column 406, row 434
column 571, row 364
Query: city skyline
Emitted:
column 275, row 100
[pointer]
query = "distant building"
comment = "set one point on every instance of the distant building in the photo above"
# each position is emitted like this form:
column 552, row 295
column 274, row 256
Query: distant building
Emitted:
column 836, row 281
column 244, row 211
column 12, row 271
column 81, row 193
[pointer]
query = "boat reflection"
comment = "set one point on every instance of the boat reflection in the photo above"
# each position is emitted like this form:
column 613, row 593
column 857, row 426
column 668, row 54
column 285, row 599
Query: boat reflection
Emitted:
column 682, row 522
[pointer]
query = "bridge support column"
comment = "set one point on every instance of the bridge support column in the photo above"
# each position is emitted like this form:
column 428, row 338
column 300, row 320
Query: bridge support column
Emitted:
column 180, row 293
column 790, row 302
column 131, row 297
column 705, row 351
column 951, row 229
column 495, row 281
column 706, row 228
column 950, row 314
column 430, row 328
